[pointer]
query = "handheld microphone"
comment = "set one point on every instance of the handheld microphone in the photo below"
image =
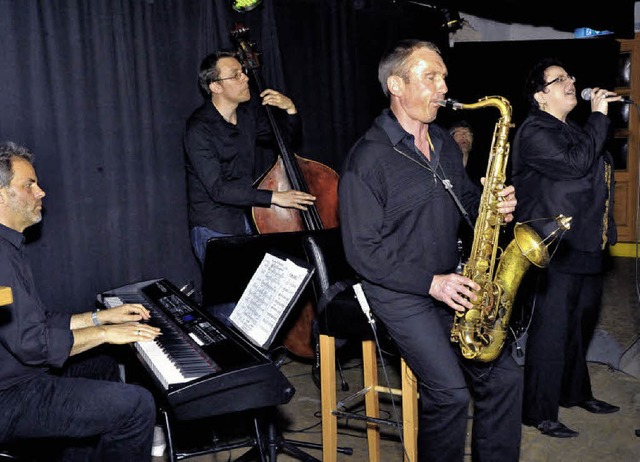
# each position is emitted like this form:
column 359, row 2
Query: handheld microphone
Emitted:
column 586, row 95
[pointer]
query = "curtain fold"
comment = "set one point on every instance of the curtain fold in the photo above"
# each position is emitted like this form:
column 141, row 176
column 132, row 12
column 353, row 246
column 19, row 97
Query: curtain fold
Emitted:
column 100, row 91
column 330, row 51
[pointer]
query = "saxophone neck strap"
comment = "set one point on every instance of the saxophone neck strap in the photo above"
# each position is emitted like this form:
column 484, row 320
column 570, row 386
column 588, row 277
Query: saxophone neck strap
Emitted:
column 448, row 186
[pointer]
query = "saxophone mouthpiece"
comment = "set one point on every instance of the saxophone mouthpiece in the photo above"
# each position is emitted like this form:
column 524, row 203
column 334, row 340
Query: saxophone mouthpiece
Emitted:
column 450, row 104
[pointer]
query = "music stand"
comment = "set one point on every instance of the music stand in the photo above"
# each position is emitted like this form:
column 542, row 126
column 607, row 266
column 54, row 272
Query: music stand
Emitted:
column 230, row 262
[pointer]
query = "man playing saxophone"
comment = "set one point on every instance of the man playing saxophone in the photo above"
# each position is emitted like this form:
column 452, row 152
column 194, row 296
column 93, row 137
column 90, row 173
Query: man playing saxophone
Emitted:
column 399, row 223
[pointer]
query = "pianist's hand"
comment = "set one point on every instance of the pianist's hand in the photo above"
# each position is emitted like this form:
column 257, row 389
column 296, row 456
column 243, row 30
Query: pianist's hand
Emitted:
column 130, row 332
column 124, row 313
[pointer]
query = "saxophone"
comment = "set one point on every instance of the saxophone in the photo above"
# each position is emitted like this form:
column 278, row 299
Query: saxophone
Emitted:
column 481, row 331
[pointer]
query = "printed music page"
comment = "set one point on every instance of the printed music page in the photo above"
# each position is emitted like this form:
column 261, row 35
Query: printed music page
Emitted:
column 269, row 296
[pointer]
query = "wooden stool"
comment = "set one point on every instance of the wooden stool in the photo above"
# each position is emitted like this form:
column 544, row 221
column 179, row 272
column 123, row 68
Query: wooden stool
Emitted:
column 340, row 315
column 409, row 394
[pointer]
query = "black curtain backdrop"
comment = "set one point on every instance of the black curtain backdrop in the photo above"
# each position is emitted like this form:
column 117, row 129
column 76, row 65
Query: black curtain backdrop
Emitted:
column 330, row 51
column 100, row 91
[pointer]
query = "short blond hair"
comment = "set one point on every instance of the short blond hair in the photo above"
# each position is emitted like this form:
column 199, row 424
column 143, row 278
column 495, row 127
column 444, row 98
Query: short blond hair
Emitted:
column 394, row 60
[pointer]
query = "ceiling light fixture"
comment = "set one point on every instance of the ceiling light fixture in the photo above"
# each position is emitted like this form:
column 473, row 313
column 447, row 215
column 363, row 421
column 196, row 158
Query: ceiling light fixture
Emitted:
column 243, row 6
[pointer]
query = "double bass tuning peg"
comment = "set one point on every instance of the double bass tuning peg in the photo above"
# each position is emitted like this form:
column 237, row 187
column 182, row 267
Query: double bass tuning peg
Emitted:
column 247, row 55
column 238, row 30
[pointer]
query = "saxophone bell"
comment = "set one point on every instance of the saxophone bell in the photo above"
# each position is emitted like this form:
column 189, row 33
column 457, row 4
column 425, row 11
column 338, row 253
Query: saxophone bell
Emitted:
column 481, row 331
column 552, row 229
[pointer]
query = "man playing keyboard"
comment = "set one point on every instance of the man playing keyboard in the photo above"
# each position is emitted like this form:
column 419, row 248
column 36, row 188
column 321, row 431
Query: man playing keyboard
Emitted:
column 48, row 389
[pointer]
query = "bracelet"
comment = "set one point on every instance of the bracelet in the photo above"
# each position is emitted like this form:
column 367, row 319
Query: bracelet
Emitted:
column 94, row 318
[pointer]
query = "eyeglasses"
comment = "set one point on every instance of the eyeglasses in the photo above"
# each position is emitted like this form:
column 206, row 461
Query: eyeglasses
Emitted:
column 561, row 79
column 237, row 76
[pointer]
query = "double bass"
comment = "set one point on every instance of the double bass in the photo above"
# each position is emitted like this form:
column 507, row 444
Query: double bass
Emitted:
column 291, row 171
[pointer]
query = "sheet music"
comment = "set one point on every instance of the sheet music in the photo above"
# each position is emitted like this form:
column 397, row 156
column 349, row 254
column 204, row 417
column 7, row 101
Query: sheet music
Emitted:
column 263, row 304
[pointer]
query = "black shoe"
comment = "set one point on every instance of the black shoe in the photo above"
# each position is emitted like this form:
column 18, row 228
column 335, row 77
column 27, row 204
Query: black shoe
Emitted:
column 556, row 429
column 596, row 406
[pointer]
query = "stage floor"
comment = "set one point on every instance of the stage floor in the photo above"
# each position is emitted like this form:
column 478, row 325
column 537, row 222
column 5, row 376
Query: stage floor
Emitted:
column 614, row 367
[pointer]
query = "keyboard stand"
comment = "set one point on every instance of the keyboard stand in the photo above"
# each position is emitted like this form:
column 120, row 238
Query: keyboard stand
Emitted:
column 272, row 443
column 266, row 445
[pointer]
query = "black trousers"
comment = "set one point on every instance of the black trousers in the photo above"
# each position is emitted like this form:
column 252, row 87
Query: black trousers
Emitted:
column 562, row 324
column 448, row 383
column 73, row 418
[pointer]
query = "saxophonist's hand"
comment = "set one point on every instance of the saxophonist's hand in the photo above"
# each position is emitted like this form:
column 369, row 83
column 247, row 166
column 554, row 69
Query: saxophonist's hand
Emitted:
column 507, row 203
column 454, row 289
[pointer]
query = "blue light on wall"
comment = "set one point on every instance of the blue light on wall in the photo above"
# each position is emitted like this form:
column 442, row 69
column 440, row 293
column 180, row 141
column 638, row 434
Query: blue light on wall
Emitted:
column 585, row 32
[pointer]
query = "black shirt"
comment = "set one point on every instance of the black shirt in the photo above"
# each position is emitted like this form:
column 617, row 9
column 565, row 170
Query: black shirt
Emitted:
column 559, row 168
column 221, row 166
column 32, row 339
column 398, row 222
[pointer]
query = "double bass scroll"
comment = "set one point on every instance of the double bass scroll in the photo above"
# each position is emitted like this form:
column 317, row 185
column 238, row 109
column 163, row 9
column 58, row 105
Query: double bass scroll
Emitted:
column 292, row 172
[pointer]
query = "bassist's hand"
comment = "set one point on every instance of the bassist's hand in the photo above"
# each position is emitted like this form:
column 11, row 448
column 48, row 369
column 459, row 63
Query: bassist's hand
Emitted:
column 277, row 99
column 292, row 199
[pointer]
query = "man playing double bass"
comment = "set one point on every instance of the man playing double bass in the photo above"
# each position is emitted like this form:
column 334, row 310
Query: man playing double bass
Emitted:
column 221, row 156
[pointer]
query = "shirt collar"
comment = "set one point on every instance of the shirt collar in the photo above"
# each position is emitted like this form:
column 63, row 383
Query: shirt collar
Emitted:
column 390, row 125
column 14, row 237
column 213, row 114
column 392, row 128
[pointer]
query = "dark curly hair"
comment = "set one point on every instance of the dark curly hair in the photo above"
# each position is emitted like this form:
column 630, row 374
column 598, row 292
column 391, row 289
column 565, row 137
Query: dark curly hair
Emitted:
column 535, row 81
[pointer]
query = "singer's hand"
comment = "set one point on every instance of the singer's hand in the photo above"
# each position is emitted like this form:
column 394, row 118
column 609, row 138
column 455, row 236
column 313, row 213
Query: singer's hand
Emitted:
column 600, row 99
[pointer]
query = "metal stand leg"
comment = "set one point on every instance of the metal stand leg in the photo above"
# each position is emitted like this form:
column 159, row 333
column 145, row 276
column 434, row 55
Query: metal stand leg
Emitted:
column 266, row 444
column 274, row 443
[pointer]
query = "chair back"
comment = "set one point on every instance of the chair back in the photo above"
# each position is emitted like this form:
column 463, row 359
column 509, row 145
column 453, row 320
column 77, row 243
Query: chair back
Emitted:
column 338, row 312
